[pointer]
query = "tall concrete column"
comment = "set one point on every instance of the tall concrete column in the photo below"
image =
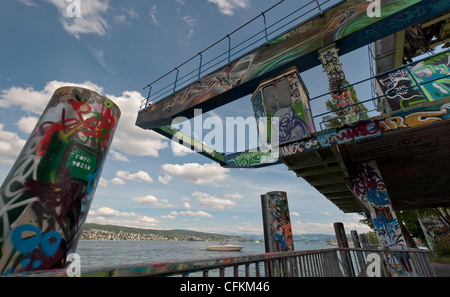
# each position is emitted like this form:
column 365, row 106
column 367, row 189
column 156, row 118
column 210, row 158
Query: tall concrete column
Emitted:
column 369, row 187
column 342, row 96
column 277, row 230
column 45, row 199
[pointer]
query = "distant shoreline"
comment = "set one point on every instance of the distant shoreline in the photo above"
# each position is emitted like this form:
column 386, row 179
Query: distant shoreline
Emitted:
column 112, row 232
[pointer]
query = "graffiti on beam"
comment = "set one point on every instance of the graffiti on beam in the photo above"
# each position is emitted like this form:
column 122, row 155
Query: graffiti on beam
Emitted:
column 364, row 130
column 46, row 196
column 419, row 82
column 251, row 159
column 338, row 23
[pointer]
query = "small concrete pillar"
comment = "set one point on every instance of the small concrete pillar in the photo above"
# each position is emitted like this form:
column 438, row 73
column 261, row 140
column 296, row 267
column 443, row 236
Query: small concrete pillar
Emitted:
column 46, row 197
column 277, row 230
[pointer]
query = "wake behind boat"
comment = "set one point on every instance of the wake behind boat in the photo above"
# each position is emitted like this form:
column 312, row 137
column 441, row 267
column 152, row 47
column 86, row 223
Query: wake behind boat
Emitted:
column 224, row 247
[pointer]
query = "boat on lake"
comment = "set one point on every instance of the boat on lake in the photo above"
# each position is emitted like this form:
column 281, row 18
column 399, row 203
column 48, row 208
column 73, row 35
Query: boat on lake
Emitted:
column 224, row 247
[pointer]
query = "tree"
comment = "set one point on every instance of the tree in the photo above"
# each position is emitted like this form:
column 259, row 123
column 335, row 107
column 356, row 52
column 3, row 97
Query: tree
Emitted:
column 335, row 121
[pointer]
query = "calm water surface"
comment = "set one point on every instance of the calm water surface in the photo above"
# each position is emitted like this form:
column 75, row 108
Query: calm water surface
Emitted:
column 96, row 253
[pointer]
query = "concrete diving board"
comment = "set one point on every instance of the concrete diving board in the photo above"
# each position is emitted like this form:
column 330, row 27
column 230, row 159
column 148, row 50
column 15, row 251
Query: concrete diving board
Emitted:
column 347, row 24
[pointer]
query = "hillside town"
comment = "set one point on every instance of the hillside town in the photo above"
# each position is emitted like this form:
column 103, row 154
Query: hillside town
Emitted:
column 100, row 232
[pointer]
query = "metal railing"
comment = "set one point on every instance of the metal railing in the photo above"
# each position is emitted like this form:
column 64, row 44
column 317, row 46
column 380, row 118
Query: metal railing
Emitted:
column 335, row 262
column 236, row 47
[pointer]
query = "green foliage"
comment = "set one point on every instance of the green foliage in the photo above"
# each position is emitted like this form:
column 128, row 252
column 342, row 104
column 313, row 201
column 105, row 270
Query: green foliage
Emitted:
column 333, row 121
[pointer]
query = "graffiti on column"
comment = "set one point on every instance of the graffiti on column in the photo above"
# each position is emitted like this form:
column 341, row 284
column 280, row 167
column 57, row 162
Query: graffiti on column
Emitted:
column 420, row 82
column 370, row 188
column 435, row 231
column 277, row 222
column 46, row 196
column 342, row 96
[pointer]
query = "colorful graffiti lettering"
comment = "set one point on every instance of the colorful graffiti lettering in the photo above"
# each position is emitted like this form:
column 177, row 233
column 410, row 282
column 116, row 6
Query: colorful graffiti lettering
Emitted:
column 420, row 82
column 416, row 118
column 46, row 197
column 253, row 158
column 299, row 147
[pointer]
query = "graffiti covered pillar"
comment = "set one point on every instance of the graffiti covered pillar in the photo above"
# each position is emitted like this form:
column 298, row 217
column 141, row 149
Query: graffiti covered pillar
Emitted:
column 46, row 196
column 342, row 97
column 277, row 228
column 369, row 187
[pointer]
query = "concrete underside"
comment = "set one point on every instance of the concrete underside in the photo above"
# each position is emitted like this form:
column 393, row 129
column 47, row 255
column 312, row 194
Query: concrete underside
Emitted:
column 413, row 162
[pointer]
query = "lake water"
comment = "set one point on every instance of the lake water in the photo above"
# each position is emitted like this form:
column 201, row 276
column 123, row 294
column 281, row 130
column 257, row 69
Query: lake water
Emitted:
column 97, row 253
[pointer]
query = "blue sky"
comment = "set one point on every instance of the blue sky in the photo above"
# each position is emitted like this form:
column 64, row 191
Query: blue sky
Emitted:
column 116, row 48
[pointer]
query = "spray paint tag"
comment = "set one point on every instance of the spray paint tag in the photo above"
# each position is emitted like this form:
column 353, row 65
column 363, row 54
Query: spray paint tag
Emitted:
column 81, row 163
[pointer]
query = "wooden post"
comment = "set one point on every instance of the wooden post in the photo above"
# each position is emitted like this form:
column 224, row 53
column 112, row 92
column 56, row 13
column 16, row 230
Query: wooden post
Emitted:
column 343, row 244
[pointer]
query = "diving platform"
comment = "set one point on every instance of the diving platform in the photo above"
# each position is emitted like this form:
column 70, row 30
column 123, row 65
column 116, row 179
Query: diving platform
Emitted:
column 408, row 139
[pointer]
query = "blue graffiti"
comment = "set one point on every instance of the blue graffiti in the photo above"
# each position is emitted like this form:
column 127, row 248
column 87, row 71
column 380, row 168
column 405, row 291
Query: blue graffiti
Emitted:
column 377, row 197
column 48, row 242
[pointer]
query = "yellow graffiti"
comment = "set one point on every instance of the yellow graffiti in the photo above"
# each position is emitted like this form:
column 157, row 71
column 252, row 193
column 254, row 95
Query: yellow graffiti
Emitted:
column 415, row 119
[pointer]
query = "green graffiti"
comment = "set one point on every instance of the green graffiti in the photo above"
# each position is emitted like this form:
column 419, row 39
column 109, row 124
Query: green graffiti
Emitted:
column 254, row 158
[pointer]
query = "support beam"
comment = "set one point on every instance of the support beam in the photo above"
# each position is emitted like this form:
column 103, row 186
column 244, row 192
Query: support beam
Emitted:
column 369, row 187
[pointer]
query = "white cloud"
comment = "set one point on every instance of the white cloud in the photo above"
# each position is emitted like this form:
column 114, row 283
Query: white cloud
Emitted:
column 140, row 176
column 126, row 16
column 196, row 173
column 209, row 201
column 228, row 7
column 152, row 12
column 10, row 146
column 27, row 124
column 234, row 196
column 192, row 24
column 199, row 213
column 28, row 2
column 117, row 181
column 118, row 156
column 186, row 205
column 103, row 182
column 153, row 201
column 106, row 215
column 128, row 138
column 294, row 214
column 91, row 20
column 179, row 150
column 165, row 179
column 35, row 101
column 109, row 212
